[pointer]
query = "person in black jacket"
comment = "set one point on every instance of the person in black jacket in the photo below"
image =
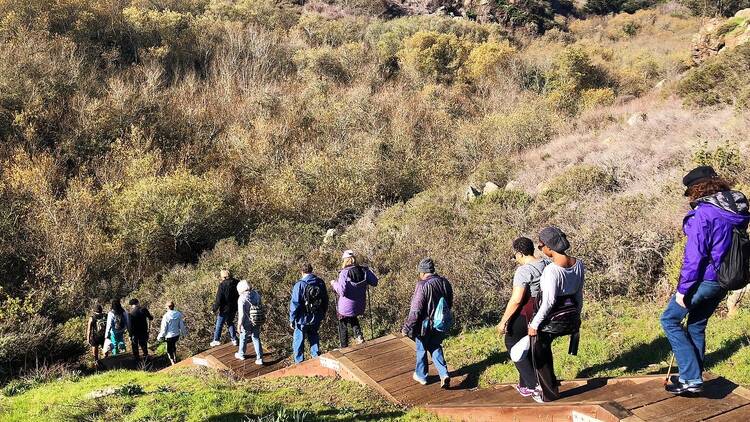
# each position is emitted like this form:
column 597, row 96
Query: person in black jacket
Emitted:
column 225, row 307
column 428, row 292
column 138, row 319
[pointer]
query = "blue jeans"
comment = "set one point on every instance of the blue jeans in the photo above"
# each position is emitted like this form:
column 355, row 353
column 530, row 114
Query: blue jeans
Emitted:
column 220, row 321
column 255, row 335
column 432, row 343
column 298, row 341
column 689, row 346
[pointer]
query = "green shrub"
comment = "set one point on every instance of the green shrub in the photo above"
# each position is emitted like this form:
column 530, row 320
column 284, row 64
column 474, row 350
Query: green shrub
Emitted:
column 716, row 8
column 488, row 59
column 719, row 80
column 571, row 74
column 574, row 183
column 432, row 56
column 726, row 159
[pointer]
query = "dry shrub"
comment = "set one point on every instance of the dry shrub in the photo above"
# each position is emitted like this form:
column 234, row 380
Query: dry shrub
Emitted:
column 719, row 80
column 434, row 57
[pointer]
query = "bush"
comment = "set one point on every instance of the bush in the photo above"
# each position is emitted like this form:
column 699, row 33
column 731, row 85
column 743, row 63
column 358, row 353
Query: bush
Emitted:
column 434, row 57
column 719, row 80
column 716, row 8
column 488, row 59
column 571, row 74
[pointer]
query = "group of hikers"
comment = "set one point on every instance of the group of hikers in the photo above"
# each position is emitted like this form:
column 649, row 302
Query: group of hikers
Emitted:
column 545, row 303
column 107, row 331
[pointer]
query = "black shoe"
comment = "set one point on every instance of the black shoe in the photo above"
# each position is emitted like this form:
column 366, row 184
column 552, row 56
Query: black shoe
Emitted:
column 680, row 388
column 445, row 383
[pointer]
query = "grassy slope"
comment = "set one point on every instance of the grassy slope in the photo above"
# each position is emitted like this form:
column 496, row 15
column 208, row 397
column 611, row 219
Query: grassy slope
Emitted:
column 619, row 339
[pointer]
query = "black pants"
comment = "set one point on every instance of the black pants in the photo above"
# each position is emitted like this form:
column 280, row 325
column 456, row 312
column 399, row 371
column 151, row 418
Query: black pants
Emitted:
column 142, row 342
column 541, row 348
column 344, row 324
column 517, row 329
column 172, row 347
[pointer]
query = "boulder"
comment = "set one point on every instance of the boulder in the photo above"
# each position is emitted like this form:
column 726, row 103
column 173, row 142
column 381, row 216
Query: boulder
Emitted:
column 490, row 187
column 719, row 34
column 328, row 237
column 472, row 194
column 512, row 185
column 637, row 118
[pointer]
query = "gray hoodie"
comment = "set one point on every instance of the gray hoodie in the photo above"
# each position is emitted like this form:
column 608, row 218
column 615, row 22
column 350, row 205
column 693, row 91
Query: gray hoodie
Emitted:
column 172, row 325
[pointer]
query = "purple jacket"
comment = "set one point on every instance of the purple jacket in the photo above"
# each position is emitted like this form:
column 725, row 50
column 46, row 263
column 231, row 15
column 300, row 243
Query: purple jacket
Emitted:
column 708, row 227
column 351, row 287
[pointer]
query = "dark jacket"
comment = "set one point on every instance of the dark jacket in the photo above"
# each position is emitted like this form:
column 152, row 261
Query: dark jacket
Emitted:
column 298, row 315
column 138, row 320
column 426, row 296
column 226, row 297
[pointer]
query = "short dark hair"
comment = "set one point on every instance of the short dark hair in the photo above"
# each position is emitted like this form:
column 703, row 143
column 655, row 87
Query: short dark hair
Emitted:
column 524, row 246
column 170, row 305
column 306, row 268
column 98, row 309
column 133, row 301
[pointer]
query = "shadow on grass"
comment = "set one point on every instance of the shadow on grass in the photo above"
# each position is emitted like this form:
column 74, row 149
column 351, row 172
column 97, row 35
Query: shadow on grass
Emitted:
column 725, row 351
column 475, row 370
column 636, row 359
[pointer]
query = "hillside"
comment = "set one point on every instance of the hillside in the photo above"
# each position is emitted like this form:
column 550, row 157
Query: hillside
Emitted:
column 148, row 144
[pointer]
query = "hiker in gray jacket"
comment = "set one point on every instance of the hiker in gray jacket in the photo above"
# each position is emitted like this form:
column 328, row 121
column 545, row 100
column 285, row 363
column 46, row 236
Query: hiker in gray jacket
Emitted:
column 249, row 318
column 172, row 327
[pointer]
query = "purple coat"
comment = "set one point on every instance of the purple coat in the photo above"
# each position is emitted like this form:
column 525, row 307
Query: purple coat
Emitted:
column 708, row 227
column 352, row 290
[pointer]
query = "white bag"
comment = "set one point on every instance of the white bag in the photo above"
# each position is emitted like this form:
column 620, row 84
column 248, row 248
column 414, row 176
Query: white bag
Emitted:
column 520, row 350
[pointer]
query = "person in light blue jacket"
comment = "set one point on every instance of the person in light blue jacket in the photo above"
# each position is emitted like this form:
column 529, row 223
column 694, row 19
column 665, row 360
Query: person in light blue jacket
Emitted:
column 172, row 327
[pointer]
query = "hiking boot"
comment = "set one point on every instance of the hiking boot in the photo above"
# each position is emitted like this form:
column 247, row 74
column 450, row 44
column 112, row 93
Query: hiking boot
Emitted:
column 239, row 356
column 360, row 340
column 523, row 391
column 214, row 343
column 259, row 362
column 682, row 388
column 445, row 383
column 234, row 342
column 416, row 378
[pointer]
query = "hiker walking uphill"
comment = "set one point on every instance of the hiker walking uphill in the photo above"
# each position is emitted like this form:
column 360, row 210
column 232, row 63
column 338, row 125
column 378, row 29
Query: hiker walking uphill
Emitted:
column 351, row 286
column 429, row 320
column 307, row 308
column 95, row 332
column 250, row 316
column 171, row 329
column 715, row 260
column 559, row 310
column 117, row 324
column 138, row 328
column 520, row 311
column 225, row 307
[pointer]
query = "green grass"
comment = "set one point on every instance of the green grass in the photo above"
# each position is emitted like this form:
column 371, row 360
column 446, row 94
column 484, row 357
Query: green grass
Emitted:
column 617, row 340
column 197, row 396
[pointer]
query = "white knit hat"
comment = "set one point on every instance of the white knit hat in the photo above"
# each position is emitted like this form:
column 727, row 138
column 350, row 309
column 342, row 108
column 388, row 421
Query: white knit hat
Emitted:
column 243, row 286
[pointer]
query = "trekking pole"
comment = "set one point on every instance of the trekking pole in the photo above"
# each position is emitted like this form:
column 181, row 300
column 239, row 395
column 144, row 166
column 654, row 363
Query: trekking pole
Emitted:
column 669, row 371
column 369, row 305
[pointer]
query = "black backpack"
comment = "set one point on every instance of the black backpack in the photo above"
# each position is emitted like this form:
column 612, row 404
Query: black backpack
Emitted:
column 313, row 297
column 734, row 271
column 118, row 323
column 563, row 319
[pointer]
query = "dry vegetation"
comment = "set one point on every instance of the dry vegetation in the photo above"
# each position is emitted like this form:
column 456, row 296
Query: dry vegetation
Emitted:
column 145, row 146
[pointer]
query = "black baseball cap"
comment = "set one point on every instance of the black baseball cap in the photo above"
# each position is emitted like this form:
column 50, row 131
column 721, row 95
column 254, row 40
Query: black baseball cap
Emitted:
column 697, row 175
column 554, row 238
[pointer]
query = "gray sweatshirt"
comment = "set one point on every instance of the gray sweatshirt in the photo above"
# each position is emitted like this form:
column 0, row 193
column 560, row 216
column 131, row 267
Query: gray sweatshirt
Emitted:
column 558, row 281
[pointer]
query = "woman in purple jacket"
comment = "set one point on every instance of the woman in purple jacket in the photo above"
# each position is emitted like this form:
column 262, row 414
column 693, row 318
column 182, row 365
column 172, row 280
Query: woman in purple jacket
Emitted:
column 351, row 286
column 709, row 225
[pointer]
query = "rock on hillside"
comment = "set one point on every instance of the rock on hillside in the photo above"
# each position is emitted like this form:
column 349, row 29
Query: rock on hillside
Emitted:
column 719, row 34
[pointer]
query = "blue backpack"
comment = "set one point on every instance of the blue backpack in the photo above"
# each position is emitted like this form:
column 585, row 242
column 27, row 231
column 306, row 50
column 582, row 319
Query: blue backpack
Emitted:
column 442, row 319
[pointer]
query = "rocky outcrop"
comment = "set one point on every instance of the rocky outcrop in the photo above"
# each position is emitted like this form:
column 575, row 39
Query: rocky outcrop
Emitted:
column 719, row 34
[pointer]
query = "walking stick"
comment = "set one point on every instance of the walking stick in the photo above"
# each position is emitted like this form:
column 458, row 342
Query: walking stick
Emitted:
column 669, row 371
column 369, row 305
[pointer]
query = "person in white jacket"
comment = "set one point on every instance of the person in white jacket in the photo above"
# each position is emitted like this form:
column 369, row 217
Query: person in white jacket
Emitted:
column 249, row 317
column 172, row 327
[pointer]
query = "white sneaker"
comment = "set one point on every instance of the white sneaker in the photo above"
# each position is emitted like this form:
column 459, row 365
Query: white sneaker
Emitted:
column 259, row 362
column 239, row 356
column 234, row 342
column 360, row 340
column 214, row 343
column 416, row 378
